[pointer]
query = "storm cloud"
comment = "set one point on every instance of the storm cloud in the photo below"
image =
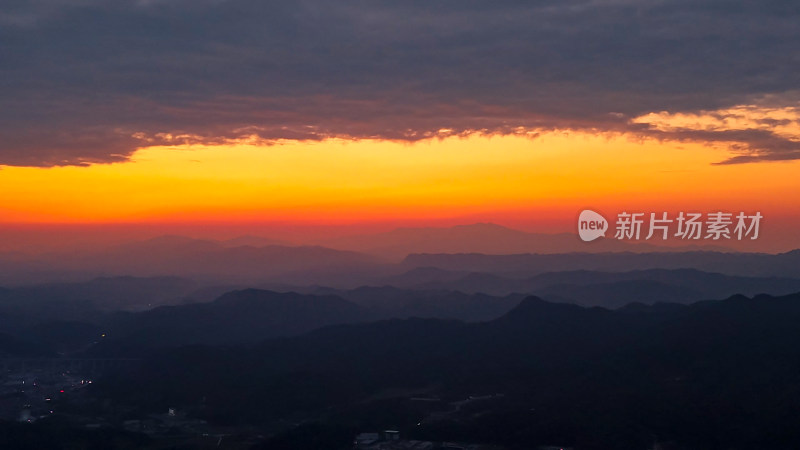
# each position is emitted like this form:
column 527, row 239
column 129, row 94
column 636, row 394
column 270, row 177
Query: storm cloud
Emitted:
column 89, row 81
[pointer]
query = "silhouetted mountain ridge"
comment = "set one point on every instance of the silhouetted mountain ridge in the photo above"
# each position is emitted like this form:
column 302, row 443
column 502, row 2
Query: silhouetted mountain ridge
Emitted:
column 485, row 238
column 527, row 264
column 673, row 371
column 239, row 316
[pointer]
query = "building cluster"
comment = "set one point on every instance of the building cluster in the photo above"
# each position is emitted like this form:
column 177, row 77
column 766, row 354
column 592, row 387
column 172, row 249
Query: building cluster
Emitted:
column 28, row 394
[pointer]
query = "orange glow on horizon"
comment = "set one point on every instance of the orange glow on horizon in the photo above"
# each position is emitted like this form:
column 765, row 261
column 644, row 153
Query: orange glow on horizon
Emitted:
column 337, row 181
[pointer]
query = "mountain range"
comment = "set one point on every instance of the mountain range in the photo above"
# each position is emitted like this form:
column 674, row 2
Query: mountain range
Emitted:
column 487, row 238
column 591, row 378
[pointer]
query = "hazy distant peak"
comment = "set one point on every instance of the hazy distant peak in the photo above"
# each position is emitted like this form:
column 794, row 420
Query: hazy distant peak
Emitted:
column 252, row 241
column 486, row 238
column 173, row 238
column 172, row 241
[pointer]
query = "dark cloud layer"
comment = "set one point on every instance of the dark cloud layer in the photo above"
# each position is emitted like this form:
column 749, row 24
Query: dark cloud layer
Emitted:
column 84, row 81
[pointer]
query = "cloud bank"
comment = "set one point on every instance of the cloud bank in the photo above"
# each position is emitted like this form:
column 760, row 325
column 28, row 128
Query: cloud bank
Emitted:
column 89, row 81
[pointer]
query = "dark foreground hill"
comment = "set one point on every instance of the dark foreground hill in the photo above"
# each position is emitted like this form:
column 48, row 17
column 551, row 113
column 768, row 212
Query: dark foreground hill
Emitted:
column 247, row 315
column 70, row 318
column 391, row 302
column 713, row 375
column 252, row 315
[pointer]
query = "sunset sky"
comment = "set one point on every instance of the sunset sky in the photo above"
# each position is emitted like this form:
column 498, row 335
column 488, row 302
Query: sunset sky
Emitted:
column 397, row 113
